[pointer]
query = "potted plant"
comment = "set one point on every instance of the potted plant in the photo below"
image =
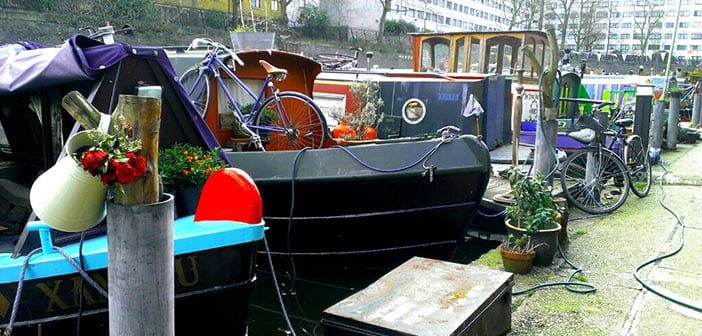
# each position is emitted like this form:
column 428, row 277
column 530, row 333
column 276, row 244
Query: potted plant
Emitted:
column 361, row 123
column 534, row 213
column 184, row 168
column 517, row 253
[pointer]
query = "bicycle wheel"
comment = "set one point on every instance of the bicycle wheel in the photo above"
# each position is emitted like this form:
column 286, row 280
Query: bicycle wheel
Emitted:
column 197, row 87
column 291, row 123
column 595, row 181
column 639, row 166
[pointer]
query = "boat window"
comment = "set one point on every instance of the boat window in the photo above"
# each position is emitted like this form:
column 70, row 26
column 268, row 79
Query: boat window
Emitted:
column 435, row 54
column 492, row 60
column 525, row 61
column 413, row 111
column 507, row 58
column 459, row 55
column 474, row 54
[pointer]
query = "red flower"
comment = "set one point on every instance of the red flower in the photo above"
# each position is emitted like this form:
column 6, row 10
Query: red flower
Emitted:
column 125, row 173
column 109, row 177
column 138, row 163
column 122, row 171
column 93, row 160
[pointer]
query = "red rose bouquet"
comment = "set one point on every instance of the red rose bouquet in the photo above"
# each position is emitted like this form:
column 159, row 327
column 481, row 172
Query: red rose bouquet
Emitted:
column 114, row 157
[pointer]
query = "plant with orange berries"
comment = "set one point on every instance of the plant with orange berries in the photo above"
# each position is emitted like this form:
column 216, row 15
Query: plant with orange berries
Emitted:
column 182, row 166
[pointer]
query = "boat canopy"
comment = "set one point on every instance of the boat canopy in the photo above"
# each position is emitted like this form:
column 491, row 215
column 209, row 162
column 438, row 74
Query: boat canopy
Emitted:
column 34, row 79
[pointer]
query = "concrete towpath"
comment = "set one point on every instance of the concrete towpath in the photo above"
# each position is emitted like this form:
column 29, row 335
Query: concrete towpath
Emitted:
column 610, row 249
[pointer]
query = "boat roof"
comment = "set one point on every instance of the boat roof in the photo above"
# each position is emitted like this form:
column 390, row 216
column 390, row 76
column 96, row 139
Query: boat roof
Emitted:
column 468, row 32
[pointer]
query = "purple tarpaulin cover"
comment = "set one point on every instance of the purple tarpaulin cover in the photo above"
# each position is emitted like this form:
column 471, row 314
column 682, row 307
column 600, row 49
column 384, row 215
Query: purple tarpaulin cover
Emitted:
column 24, row 69
column 78, row 59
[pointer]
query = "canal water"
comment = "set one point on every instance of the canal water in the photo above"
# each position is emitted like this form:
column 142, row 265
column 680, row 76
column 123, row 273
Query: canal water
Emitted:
column 308, row 291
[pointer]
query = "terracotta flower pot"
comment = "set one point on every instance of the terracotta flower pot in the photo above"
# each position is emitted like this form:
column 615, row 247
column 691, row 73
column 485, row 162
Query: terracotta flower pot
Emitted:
column 547, row 241
column 515, row 262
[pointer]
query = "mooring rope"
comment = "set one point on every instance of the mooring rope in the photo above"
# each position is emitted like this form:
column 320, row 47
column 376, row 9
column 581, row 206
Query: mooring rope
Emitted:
column 446, row 137
column 385, row 249
column 371, row 214
column 20, row 283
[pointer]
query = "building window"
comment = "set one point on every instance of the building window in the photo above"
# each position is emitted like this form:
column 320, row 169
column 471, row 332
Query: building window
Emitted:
column 256, row 3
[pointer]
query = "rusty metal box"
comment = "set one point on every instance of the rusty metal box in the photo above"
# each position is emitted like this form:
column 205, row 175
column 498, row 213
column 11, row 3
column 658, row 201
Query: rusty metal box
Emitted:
column 427, row 297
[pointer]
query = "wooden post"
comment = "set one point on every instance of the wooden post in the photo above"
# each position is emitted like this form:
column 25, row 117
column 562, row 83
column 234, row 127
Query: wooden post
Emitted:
column 143, row 114
column 141, row 283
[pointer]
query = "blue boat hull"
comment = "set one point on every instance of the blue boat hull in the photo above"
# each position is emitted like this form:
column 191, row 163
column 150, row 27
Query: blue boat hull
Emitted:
column 214, row 275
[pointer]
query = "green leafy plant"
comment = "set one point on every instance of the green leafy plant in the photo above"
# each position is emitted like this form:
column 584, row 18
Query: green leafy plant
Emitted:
column 533, row 208
column 182, row 166
column 521, row 244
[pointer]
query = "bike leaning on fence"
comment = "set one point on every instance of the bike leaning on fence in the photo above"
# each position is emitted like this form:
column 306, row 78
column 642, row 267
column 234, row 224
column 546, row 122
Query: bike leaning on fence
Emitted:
column 277, row 120
column 597, row 178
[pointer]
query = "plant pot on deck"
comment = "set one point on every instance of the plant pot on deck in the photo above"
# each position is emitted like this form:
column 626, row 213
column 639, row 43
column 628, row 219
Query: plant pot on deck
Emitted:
column 186, row 201
column 516, row 262
column 546, row 242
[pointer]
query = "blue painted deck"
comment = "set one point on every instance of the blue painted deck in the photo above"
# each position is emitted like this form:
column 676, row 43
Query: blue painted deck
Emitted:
column 189, row 237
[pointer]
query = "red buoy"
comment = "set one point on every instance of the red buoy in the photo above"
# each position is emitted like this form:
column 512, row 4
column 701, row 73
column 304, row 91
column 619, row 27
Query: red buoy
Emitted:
column 230, row 194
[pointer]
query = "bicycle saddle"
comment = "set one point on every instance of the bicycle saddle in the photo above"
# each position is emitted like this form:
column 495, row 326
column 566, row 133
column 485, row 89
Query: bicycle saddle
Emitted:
column 585, row 135
column 626, row 122
column 278, row 73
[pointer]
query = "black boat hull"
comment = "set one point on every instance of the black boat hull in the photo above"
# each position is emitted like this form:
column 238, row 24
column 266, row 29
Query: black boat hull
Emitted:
column 326, row 205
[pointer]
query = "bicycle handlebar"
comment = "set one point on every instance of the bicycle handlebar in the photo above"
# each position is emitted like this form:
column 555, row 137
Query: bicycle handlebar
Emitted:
column 600, row 103
column 205, row 42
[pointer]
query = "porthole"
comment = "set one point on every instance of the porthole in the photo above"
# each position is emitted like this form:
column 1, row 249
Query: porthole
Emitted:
column 413, row 111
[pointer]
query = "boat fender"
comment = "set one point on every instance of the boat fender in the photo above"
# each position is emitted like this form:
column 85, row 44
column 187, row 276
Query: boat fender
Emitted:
column 230, row 194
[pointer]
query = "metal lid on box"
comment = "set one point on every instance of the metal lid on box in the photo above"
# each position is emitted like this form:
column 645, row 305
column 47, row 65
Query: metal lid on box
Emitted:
column 427, row 297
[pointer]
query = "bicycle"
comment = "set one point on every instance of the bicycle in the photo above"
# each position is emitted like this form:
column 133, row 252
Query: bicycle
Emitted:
column 597, row 178
column 338, row 61
column 277, row 120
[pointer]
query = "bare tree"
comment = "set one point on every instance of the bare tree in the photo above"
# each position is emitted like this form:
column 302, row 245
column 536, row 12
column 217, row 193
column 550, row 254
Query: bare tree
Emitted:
column 647, row 16
column 387, row 6
column 283, row 7
column 560, row 11
column 522, row 13
column 588, row 30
